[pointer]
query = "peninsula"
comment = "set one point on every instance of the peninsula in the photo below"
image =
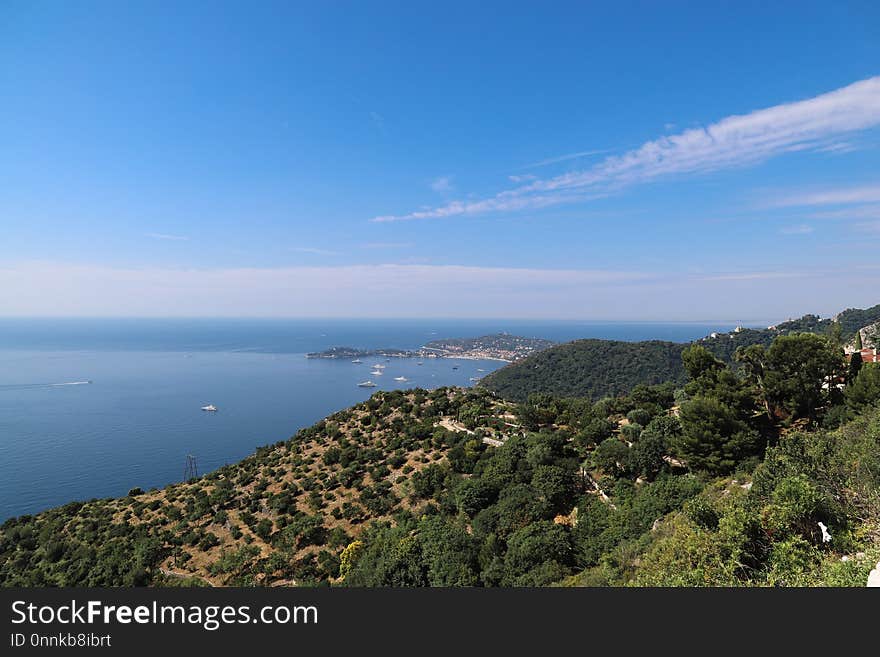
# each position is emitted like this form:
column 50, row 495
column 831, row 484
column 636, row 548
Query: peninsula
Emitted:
column 498, row 346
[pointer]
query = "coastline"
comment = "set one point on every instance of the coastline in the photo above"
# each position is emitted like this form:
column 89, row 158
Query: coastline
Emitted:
column 137, row 422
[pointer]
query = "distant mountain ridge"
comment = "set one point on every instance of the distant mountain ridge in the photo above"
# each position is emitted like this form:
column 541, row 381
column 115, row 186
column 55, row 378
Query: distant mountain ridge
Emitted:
column 599, row 368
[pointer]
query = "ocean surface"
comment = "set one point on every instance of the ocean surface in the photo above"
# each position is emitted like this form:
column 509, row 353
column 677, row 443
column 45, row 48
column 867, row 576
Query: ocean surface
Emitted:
column 93, row 408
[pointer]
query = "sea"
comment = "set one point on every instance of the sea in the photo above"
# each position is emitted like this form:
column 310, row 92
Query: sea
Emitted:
column 91, row 408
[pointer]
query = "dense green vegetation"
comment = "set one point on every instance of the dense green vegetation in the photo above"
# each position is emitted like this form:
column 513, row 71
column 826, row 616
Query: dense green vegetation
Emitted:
column 763, row 474
column 852, row 319
column 281, row 516
column 601, row 368
column 589, row 368
column 728, row 490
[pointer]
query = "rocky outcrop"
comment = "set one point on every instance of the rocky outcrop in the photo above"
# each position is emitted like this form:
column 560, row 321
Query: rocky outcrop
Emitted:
column 870, row 335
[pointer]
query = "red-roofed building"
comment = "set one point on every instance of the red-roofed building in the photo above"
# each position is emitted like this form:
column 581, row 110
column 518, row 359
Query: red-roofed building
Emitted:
column 870, row 356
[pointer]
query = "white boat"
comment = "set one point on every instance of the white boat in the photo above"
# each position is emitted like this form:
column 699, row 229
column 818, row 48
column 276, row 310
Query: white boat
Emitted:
column 376, row 372
column 357, row 360
column 480, row 370
column 420, row 363
column 378, row 366
column 475, row 378
column 366, row 384
column 209, row 407
column 400, row 378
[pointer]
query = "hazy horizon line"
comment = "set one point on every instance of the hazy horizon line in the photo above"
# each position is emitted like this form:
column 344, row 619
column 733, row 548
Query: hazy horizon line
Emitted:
column 743, row 322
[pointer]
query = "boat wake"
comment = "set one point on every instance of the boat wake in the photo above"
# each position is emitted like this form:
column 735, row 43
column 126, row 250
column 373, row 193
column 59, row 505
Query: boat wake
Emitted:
column 36, row 386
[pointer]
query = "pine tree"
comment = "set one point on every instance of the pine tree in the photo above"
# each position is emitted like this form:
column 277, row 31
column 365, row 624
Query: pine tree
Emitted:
column 855, row 364
column 858, row 340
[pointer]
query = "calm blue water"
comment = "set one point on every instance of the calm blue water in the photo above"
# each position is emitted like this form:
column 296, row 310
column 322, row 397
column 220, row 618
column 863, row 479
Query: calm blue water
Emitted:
column 139, row 418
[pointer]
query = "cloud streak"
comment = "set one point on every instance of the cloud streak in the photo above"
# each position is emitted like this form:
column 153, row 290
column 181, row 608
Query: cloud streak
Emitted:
column 44, row 289
column 387, row 245
column 858, row 212
column 167, row 237
column 840, row 196
column 818, row 123
column 313, row 251
column 803, row 229
column 566, row 158
column 504, row 202
column 838, row 147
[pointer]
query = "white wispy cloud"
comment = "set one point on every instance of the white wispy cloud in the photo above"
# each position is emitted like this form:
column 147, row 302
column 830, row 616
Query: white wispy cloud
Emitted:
column 504, row 202
column 565, row 158
column 387, row 245
column 165, row 236
column 734, row 141
column 522, row 178
column 313, row 251
column 857, row 212
column 850, row 195
column 857, row 204
column 802, row 229
column 32, row 288
column 442, row 184
column 839, row 147
column 755, row 276
column 419, row 290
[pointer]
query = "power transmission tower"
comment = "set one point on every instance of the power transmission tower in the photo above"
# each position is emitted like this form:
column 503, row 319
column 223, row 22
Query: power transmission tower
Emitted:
column 192, row 470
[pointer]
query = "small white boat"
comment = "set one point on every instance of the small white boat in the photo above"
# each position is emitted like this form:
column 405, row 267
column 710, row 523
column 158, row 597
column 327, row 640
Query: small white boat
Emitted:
column 366, row 384
column 378, row 366
column 210, row 407
column 376, row 372
column 400, row 378
column 475, row 378
column 420, row 363
column 480, row 370
column 357, row 360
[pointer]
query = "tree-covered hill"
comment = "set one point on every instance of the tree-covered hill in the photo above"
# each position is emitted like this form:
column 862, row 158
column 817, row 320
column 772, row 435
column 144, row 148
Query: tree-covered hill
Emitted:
column 599, row 368
column 852, row 319
column 761, row 476
column 589, row 368
column 281, row 516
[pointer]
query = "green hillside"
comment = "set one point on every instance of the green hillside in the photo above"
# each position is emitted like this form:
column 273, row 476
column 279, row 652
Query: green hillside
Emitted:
column 589, row 368
column 731, row 485
column 852, row 319
column 601, row 368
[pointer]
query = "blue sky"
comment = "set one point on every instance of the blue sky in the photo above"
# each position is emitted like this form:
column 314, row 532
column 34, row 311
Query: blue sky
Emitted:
column 629, row 161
